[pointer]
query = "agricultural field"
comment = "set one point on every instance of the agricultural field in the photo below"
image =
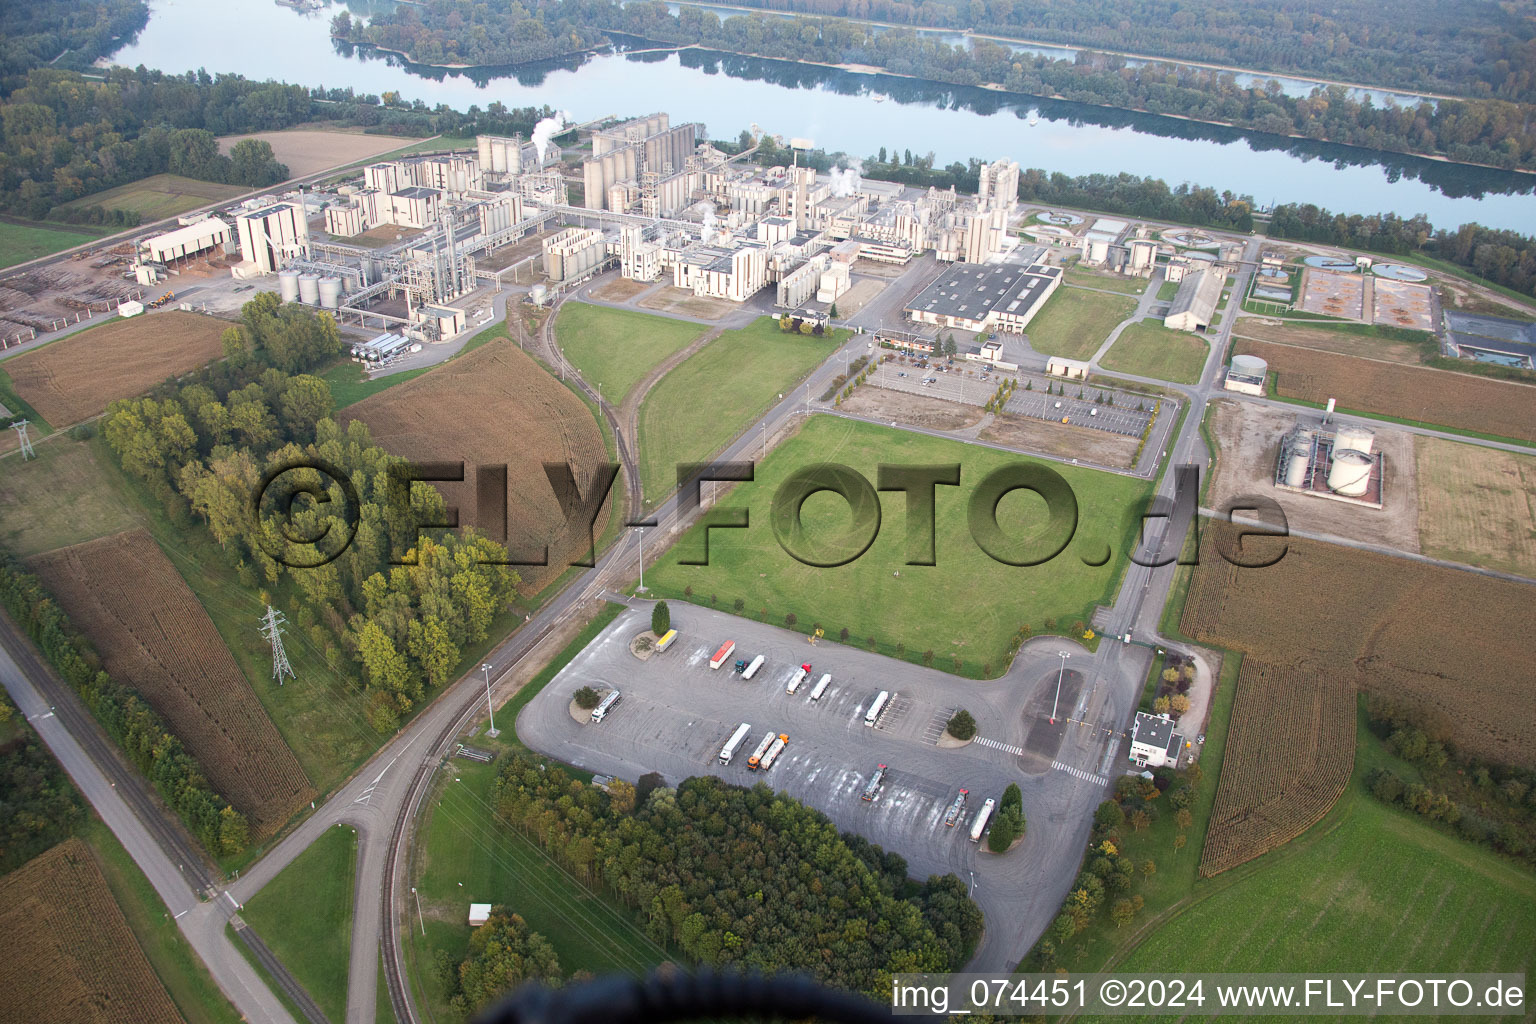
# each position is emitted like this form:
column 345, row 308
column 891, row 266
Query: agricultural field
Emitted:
column 1074, row 322
column 702, row 404
column 497, row 406
column 20, row 242
column 74, row 378
column 66, row 953
column 1290, row 749
column 1477, row 505
column 1347, row 340
column 306, row 152
column 1441, row 640
column 152, row 634
column 159, row 196
column 305, row 916
column 967, row 606
column 59, row 498
column 618, row 347
column 1148, row 349
column 1458, row 400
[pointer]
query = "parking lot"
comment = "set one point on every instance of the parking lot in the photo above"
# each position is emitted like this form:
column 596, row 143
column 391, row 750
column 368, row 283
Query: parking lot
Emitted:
column 1082, row 412
column 676, row 713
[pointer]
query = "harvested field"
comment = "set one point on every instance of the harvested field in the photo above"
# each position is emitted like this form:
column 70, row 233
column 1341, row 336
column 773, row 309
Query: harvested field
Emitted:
column 1418, row 393
column 306, row 152
column 153, row 635
column 159, row 196
column 685, row 303
column 1068, row 442
column 66, row 954
column 1249, row 434
column 1290, row 749
column 1444, row 641
column 1326, row 340
column 491, row 407
column 73, row 379
column 1477, row 505
column 914, row 410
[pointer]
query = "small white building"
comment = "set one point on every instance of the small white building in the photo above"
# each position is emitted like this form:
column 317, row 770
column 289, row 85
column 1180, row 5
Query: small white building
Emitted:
column 130, row 308
column 1072, row 369
column 479, row 913
column 446, row 321
column 1153, row 741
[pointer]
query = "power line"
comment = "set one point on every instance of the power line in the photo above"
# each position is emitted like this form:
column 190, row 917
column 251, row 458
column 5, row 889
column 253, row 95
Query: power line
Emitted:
column 20, row 426
column 272, row 632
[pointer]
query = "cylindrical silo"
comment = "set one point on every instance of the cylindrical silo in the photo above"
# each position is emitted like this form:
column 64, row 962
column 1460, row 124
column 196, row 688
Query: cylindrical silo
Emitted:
column 538, row 293
column 330, row 292
column 288, row 285
column 485, row 151
column 309, row 289
column 1350, row 474
column 1298, row 455
column 1354, row 439
column 514, row 155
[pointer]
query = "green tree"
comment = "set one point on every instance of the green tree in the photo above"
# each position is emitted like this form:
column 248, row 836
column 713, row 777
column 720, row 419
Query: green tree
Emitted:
column 587, row 698
column 961, row 725
column 234, row 833
column 661, row 618
column 430, row 643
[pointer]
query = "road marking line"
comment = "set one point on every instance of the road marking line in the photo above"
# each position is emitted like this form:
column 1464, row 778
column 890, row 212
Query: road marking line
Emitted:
column 1079, row 773
column 179, row 916
column 1007, row 748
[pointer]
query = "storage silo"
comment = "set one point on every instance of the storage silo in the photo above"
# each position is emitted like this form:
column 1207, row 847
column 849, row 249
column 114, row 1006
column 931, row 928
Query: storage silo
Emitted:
column 485, row 152
column 330, row 292
column 1249, row 366
column 1350, row 474
column 538, row 294
column 309, row 289
column 288, row 285
column 1354, row 439
column 1298, row 455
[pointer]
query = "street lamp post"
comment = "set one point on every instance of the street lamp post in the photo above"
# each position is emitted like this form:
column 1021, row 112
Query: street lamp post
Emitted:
column 640, row 534
column 1061, row 672
column 485, row 670
column 764, row 425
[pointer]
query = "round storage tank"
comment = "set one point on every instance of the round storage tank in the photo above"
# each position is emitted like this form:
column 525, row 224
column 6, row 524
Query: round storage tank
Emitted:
column 1297, row 457
column 1350, row 474
column 1354, row 439
column 538, row 293
column 1249, row 366
column 288, row 285
column 309, row 289
column 330, row 292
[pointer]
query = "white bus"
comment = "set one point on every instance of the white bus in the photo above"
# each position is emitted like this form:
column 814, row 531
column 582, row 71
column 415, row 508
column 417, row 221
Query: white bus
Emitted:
column 762, row 748
column 798, row 678
column 980, row 824
column 729, row 750
column 873, row 714
column 821, row 686
column 751, row 671
column 609, row 703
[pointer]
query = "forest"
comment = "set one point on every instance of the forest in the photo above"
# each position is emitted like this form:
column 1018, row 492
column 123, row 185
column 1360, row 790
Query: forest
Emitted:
column 1481, row 50
column 1503, row 257
column 744, row 878
column 38, row 806
column 449, row 33
column 64, row 33
column 399, row 606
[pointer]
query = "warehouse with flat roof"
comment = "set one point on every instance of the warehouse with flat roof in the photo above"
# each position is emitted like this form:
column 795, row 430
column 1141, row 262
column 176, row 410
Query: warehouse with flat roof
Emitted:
column 984, row 297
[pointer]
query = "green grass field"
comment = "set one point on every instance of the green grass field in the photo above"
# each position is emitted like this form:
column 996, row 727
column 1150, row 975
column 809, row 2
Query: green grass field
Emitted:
column 1369, row 888
column 1106, row 281
column 304, row 915
column 1168, row 290
column 176, row 964
column 1074, row 322
column 967, row 606
column 618, row 347
column 20, row 242
column 700, row 406
column 158, row 196
column 1148, row 349
column 62, row 497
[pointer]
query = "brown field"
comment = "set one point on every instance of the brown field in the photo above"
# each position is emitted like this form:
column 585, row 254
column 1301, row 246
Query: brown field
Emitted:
column 306, row 152
column 152, row 634
column 1402, row 304
column 685, row 303
column 863, row 291
column 1445, row 641
column 74, row 379
column 1290, row 749
column 620, row 289
column 66, row 954
column 1417, row 393
column 1326, row 340
column 1249, row 434
column 1063, row 440
column 917, row 410
column 1477, row 505
column 497, row 406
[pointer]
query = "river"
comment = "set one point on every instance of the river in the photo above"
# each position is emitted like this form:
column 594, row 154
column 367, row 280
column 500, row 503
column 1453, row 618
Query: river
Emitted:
column 840, row 110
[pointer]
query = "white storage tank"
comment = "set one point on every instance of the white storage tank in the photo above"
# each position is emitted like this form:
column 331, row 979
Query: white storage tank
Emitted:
column 1350, row 474
column 1249, row 366
column 309, row 289
column 1354, row 439
column 288, row 285
column 330, row 292
column 537, row 294
column 1298, row 455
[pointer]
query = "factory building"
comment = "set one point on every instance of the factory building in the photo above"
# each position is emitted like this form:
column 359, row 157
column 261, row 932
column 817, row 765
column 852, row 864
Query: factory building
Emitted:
column 998, row 184
column 269, row 235
column 439, row 323
column 414, row 206
column 649, row 158
column 1246, row 375
column 976, row 297
column 187, row 240
column 573, row 253
column 1194, row 305
column 735, row 270
column 798, row 285
column 500, row 157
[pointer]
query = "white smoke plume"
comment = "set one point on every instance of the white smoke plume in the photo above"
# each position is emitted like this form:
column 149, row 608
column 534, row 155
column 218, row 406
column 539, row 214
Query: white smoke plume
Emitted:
column 710, row 223
column 846, row 182
column 548, row 129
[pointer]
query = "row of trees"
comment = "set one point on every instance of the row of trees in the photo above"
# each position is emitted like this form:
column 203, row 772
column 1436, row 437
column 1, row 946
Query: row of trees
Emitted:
column 38, row 806
column 446, row 32
column 126, row 716
column 745, row 877
column 403, row 607
column 1504, row 257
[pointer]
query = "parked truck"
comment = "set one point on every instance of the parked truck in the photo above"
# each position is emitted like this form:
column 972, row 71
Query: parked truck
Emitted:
column 751, row 671
column 872, row 787
column 980, row 824
column 821, row 686
column 774, row 750
column 762, row 748
column 798, row 678
column 729, row 750
column 726, row 650
column 873, row 714
column 956, row 809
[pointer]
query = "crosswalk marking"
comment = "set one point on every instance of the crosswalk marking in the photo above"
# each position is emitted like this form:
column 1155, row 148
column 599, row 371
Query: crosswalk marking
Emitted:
column 1079, row 773
column 1007, row 748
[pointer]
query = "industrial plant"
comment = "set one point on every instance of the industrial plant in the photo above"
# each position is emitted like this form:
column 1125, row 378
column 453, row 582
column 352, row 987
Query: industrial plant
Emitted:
column 1334, row 461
